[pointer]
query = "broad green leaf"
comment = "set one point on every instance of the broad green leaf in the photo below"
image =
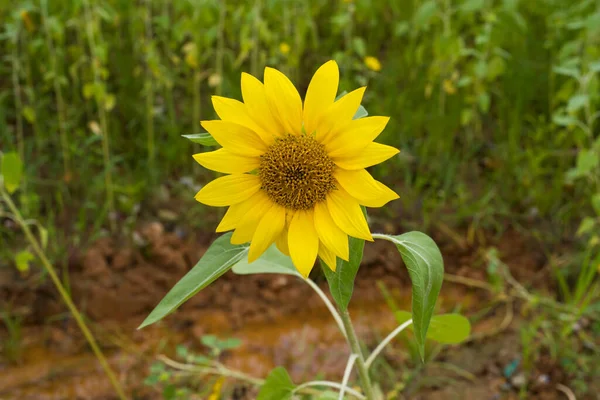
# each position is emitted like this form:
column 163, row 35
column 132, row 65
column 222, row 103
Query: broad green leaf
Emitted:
column 577, row 102
column 217, row 260
column 12, row 171
column 426, row 269
column 595, row 66
column 402, row 316
column 272, row 261
column 204, row 138
column 277, row 386
column 444, row 328
column 449, row 328
column 341, row 282
column 22, row 260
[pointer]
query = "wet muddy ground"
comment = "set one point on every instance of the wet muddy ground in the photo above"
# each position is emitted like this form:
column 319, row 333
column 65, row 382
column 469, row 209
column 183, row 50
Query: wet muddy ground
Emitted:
column 278, row 318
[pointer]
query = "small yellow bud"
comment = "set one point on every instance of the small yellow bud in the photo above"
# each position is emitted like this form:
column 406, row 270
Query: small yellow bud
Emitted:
column 284, row 48
column 372, row 63
column 449, row 86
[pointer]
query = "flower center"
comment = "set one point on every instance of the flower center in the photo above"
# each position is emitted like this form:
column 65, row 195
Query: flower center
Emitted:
column 296, row 172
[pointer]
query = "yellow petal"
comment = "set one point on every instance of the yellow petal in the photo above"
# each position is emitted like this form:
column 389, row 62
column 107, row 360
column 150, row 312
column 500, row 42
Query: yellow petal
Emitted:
column 284, row 100
column 282, row 242
column 355, row 136
column 255, row 99
column 235, row 212
column 329, row 233
column 361, row 185
column 347, row 214
column 228, row 190
column 327, row 256
column 235, row 111
column 244, row 231
column 235, row 138
column 320, row 94
column 303, row 241
column 227, row 162
column 268, row 229
column 339, row 114
column 372, row 154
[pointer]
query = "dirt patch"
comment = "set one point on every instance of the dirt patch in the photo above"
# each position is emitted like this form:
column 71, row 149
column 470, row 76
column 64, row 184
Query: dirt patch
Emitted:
column 280, row 319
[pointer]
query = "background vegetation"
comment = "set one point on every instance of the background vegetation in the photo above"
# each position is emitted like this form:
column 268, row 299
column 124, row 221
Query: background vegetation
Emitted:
column 494, row 103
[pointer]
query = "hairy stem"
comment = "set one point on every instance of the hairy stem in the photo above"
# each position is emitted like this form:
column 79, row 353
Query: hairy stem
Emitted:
column 363, row 373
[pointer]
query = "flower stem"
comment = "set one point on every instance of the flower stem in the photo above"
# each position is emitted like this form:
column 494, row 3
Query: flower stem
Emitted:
column 363, row 373
column 385, row 342
column 65, row 296
column 330, row 306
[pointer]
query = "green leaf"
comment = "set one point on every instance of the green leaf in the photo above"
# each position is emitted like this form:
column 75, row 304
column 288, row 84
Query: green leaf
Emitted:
column 444, row 328
column 217, row 260
column 596, row 203
column 204, row 138
column 577, row 102
column 341, row 282
column 496, row 67
column 473, row 5
column 449, row 328
column 327, row 395
column 587, row 160
column 43, row 236
column 426, row 269
column 29, row 114
column 359, row 46
column 230, row 343
column 22, row 260
column 484, row 102
column 277, row 386
column 402, row 316
column 567, row 71
column 361, row 112
column 12, row 171
column 564, row 119
column 272, row 261
column 586, row 226
column 209, row 341
column 425, row 13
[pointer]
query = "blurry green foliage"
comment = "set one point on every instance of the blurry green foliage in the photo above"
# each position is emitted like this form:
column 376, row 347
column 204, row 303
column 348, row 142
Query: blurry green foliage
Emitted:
column 493, row 103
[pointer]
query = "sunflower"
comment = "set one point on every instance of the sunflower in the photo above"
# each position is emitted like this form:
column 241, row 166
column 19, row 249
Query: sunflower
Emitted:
column 296, row 172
